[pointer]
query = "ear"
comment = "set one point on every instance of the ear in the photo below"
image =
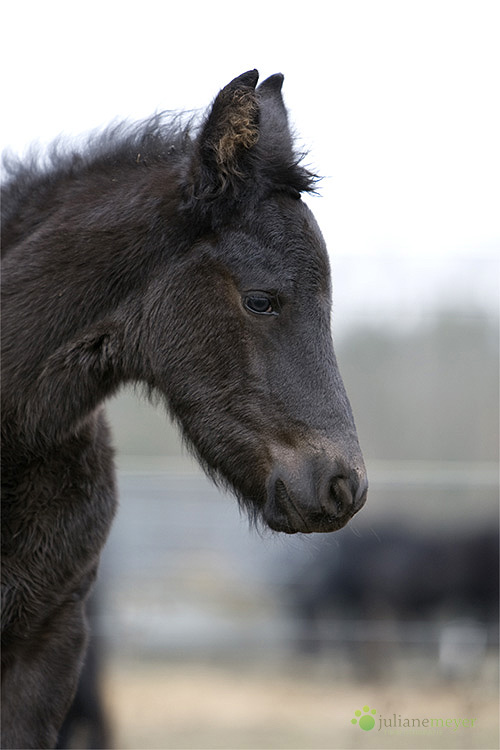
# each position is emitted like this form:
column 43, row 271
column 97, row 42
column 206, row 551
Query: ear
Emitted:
column 228, row 135
column 274, row 114
column 279, row 160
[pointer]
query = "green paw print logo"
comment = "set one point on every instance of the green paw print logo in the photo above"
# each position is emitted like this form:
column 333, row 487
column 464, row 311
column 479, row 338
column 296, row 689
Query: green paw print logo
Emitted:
column 366, row 721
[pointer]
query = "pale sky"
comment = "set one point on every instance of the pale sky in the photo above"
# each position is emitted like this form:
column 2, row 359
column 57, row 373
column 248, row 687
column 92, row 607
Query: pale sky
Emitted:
column 397, row 101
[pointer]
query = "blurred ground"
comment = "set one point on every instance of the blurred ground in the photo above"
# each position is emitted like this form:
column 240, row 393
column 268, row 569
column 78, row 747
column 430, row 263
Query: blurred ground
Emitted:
column 289, row 705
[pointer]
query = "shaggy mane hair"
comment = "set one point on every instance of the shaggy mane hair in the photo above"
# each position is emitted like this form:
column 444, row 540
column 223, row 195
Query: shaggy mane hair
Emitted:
column 166, row 138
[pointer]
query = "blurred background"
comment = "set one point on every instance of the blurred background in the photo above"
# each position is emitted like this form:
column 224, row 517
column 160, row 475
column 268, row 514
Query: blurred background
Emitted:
column 205, row 633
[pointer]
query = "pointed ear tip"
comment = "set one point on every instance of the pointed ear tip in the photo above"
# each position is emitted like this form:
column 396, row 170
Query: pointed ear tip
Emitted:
column 249, row 78
column 273, row 83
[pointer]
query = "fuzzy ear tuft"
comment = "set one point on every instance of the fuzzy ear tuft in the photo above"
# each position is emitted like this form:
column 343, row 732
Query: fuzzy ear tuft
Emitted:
column 231, row 128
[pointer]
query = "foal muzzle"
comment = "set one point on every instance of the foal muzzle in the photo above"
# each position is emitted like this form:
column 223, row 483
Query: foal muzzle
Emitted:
column 318, row 496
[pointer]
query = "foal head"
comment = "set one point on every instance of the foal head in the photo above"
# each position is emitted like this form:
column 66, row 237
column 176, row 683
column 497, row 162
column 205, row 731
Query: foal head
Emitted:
column 188, row 263
column 237, row 335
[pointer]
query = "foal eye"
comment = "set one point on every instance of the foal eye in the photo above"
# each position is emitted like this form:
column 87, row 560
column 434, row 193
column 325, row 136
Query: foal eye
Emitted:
column 261, row 303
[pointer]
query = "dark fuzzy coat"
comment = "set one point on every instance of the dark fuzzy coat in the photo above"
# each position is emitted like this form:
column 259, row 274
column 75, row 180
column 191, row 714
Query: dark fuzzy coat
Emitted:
column 181, row 259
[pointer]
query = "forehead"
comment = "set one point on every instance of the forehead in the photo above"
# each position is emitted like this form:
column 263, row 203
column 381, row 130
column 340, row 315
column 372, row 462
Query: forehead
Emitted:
column 278, row 245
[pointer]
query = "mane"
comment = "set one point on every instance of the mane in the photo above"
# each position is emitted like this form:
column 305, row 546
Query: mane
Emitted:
column 165, row 138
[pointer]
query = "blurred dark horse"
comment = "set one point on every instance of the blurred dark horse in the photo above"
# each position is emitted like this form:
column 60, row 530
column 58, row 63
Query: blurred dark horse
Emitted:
column 421, row 583
column 182, row 259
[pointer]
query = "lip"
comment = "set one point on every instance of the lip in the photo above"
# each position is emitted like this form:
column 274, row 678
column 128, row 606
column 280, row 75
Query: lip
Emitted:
column 323, row 525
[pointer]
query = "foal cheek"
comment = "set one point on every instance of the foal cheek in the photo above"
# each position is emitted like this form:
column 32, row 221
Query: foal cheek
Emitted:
column 195, row 342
